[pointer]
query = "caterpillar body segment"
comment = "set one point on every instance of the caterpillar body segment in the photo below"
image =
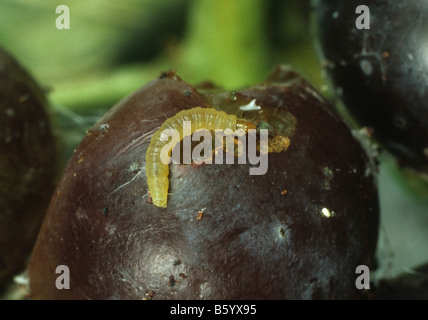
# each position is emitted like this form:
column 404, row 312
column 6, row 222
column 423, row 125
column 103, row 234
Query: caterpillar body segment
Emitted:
column 200, row 118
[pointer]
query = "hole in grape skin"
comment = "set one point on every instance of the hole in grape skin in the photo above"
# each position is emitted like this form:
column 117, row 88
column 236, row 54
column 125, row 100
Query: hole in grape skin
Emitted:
column 400, row 122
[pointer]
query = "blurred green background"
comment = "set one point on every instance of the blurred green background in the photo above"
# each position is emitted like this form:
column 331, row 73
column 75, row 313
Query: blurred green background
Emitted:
column 113, row 48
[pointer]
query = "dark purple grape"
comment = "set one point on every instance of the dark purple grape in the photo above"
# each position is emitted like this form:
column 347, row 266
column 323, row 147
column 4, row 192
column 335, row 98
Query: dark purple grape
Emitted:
column 28, row 164
column 297, row 232
column 381, row 73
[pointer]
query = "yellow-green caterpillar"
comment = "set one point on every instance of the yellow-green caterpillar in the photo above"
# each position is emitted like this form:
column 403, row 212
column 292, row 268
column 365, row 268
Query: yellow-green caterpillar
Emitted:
column 200, row 118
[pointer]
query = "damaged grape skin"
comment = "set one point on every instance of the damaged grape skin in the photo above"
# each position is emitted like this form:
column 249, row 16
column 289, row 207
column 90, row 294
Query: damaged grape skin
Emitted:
column 253, row 242
column 28, row 164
